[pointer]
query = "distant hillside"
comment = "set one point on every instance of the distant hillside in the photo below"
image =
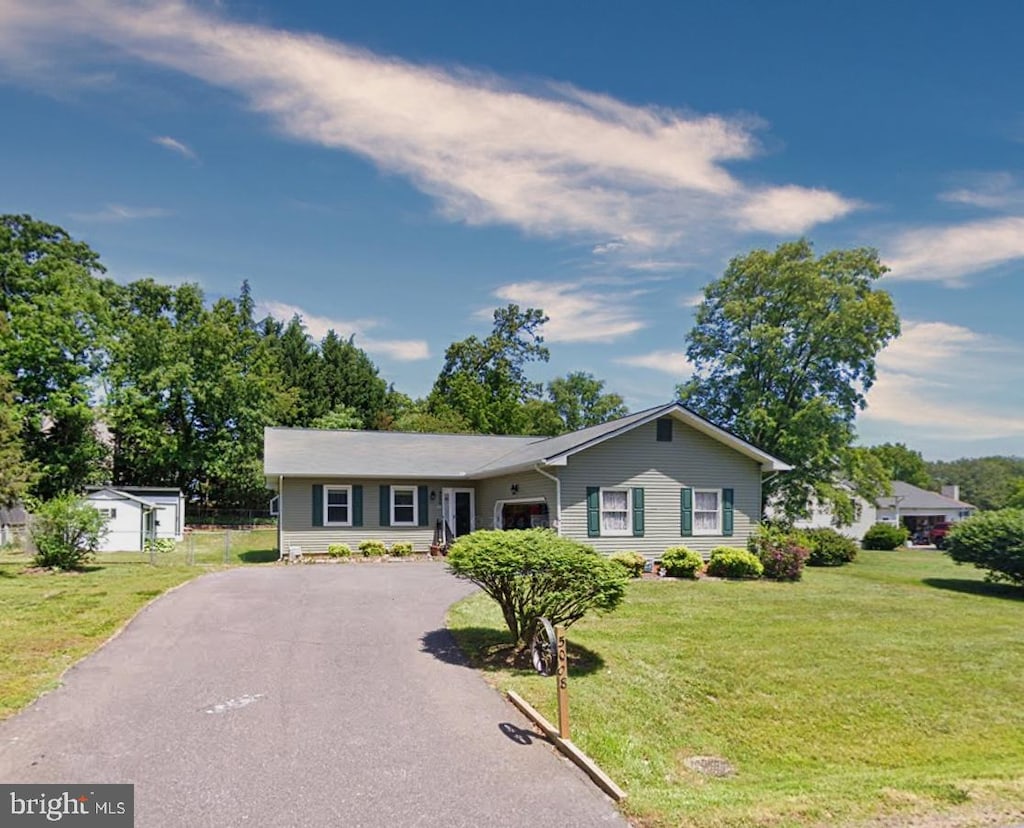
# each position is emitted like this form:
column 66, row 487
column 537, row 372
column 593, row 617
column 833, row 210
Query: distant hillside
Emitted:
column 985, row 482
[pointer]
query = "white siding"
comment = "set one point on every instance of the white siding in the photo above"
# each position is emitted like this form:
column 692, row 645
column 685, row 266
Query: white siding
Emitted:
column 637, row 459
column 124, row 530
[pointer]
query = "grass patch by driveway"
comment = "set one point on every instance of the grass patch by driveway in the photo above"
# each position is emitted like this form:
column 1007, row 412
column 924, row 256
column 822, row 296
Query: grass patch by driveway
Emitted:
column 890, row 685
column 49, row 620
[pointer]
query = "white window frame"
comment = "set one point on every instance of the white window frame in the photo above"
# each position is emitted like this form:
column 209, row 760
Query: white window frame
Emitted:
column 718, row 512
column 615, row 533
column 415, row 506
column 348, row 505
column 109, row 512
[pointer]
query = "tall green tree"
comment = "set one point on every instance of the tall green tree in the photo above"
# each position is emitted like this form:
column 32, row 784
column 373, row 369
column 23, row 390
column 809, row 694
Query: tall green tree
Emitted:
column 347, row 378
column 16, row 473
column 484, row 382
column 190, row 390
column 580, row 401
column 52, row 345
column 902, row 463
column 784, row 350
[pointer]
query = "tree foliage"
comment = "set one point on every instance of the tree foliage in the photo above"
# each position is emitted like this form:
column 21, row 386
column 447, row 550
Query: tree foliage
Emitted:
column 985, row 482
column 484, row 383
column 534, row 572
column 902, row 463
column 784, row 350
column 55, row 326
column 580, row 401
column 16, row 473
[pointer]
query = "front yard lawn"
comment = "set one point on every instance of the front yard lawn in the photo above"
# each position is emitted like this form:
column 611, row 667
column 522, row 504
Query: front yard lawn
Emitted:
column 888, row 687
column 49, row 620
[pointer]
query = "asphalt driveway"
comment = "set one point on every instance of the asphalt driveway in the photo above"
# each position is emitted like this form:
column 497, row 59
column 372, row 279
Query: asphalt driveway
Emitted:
column 299, row 696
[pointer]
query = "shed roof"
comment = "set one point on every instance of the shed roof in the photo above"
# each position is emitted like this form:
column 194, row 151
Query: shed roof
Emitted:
column 121, row 495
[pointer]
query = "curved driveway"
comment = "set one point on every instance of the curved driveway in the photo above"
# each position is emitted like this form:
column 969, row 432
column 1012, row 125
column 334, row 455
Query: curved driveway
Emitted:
column 299, row 696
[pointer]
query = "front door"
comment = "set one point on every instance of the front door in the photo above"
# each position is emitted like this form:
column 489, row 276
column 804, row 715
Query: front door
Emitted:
column 459, row 511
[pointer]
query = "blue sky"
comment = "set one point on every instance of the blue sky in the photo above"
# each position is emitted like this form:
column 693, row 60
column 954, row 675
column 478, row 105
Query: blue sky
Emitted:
column 397, row 172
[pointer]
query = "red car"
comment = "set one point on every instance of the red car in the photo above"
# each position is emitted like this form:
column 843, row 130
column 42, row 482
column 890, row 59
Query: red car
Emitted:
column 937, row 534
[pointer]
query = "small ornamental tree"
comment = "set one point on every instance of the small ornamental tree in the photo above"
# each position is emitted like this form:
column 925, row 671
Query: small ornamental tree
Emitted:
column 66, row 532
column 993, row 541
column 533, row 573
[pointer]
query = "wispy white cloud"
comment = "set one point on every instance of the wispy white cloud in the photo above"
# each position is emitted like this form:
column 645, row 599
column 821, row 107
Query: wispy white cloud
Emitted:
column 948, row 254
column 989, row 191
column 559, row 161
column 930, row 378
column 400, row 350
column 174, row 145
column 113, row 213
column 673, row 363
column 691, row 300
column 576, row 311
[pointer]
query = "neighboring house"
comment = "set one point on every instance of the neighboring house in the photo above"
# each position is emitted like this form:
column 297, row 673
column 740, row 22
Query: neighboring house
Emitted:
column 13, row 524
column 917, row 509
column 650, row 480
column 137, row 513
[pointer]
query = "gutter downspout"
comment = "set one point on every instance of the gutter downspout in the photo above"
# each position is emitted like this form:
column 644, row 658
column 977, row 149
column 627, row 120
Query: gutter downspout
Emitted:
column 280, row 516
column 558, row 497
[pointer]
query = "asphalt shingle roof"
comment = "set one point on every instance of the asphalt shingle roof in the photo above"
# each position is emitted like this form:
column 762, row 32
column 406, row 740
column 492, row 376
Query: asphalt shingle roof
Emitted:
column 912, row 497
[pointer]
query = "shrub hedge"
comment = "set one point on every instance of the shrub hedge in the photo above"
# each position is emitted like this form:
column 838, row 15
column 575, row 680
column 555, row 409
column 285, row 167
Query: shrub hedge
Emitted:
column 632, row 562
column 729, row 562
column 828, row 547
column 885, row 536
column 993, row 541
column 680, row 562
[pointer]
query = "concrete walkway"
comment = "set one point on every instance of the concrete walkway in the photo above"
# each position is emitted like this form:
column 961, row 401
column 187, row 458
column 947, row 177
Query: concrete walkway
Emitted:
column 299, row 696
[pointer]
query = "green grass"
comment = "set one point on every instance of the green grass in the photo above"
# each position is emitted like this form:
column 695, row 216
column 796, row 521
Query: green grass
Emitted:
column 892, row 684
column 49, row 620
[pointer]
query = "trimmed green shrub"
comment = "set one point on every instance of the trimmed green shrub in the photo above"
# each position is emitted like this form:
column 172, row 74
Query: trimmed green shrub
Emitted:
column 680, row 562
column 828, row 547
column 534, row 572
column 339, row 550
column 369, row 548
column 885, row 536
column 993, row 541
column 729, row 562
column 632, row 562
column 66, row 532
column 401, row 550
column 163, row 545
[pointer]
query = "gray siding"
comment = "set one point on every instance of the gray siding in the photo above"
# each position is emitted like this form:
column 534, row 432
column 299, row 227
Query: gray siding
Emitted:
column 531, row 485
column 636, row 458
column 297, row 516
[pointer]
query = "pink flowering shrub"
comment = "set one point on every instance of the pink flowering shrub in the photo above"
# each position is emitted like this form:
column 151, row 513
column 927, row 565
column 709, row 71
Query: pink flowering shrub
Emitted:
column 782, row 554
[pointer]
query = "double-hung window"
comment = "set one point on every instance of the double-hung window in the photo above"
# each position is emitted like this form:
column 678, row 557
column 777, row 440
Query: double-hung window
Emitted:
column 707, row 511
column 337, row 505
column 403, row 506
column 615, row 512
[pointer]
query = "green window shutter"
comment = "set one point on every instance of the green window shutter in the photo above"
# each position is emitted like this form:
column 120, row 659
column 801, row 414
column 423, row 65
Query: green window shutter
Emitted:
column 385, row 505
column 318, row 505
column 421, row 493
column 357, row 505
column 726, row 511
column 638, row 513
column 686, row 512
column 593, row 512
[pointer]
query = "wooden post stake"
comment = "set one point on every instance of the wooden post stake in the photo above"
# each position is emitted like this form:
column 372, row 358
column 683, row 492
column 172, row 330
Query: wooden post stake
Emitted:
column 563, row 684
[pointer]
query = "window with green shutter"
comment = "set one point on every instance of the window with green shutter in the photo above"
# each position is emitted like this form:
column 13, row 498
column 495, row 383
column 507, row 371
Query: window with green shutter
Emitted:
column 318, row 505
column 727, row 511
column 357, row 505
